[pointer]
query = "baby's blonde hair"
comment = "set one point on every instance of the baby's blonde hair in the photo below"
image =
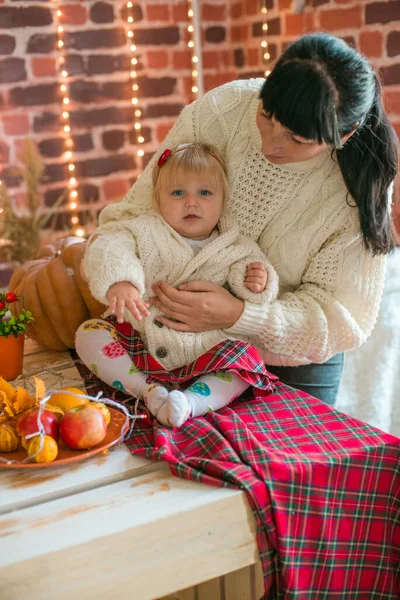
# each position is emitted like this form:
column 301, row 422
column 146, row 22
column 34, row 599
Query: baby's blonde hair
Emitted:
column 186, row 159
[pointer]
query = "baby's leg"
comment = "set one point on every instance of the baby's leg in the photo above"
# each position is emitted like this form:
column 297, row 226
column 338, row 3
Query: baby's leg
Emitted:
column 208, row 393
column 98, row 346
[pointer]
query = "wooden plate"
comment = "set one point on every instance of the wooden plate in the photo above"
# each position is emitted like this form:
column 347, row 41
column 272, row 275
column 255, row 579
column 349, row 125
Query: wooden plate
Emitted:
column 66, row 455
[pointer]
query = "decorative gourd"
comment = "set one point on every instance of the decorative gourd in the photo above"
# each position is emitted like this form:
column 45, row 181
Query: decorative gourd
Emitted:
column 49, row 451
column 53, row 289
column 9, row 440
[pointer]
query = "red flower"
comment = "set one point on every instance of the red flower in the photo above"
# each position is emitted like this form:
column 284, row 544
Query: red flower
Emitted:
column 2, row 305
column 11, row 297
column 164, row 157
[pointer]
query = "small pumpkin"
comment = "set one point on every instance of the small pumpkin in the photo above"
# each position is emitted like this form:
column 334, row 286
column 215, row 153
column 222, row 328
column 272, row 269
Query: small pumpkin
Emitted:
column 9, row 439
column 49, row 451
column 53, row 289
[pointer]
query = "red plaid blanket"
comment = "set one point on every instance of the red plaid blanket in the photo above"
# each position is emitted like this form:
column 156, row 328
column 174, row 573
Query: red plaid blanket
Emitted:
column 324, row 488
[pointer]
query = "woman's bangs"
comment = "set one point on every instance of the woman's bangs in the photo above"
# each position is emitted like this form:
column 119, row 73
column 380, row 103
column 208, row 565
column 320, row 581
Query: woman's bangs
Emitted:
column 297, row 96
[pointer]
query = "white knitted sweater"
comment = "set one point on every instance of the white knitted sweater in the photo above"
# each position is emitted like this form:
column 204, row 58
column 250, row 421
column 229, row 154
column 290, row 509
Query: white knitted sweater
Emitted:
column 145, row 250
column 330, row 285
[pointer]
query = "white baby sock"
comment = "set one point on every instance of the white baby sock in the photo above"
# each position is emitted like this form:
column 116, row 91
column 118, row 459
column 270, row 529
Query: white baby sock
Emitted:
column 208, row 393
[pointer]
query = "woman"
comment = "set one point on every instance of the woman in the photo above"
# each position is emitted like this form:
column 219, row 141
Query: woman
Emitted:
column 311, row 157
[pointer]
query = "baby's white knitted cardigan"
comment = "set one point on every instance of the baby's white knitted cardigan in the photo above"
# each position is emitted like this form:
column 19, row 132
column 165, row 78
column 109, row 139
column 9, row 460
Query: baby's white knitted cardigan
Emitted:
column 145, row 250
column 330, row 285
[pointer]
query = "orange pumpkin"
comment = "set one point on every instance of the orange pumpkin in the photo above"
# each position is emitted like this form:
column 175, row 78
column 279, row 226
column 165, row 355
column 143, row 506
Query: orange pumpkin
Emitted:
column 49, row 451
column 9, row 440
column 53, row 289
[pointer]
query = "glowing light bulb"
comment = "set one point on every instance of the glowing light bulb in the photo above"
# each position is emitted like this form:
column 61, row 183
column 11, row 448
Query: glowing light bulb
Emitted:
column 191, row 44
column 138, row 113
column 130, row 19
column 267, row 56
column 194, row 73
column 134, row 61
column 191, row 28
column 137, row 126
column 71, row 167
column 130, row 34
column 190, row 13
column 74, row 220
column 72, row 181
column 134, row 100
column 140, row 152
column 140, row 139
column 72, row 206
column 195, row 59
column 265, row 26
column 74, row 194
column 60, row 43
column 135, row 87
column 64, row 73
column 66, row 100
column 264, row 44
column 65, row 114
column 67, row 128
column 195, row 89
column 80, row 232
column 129, row 5
column 60, row 29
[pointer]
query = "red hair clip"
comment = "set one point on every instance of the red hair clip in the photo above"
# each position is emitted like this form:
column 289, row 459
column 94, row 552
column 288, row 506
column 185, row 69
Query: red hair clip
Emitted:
column 164, row 157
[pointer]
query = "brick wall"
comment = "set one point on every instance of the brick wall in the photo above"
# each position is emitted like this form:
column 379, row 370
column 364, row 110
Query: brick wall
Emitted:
column 99, row 62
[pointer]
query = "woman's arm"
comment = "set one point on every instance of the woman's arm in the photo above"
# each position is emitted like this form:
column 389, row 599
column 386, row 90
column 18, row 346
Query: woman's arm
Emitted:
column 333, row 310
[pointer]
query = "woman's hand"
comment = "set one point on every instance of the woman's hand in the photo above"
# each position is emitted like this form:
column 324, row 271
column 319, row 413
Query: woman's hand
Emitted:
column 196, row 306
column 123, row 295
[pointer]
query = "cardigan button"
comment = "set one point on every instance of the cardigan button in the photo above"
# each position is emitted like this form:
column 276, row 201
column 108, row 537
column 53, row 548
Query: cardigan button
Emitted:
column 161, row 352
column 157, row 323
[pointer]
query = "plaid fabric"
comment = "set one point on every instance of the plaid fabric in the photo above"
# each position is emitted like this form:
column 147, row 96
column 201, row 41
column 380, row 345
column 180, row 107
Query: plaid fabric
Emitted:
column 324, row 488
column 228, row 356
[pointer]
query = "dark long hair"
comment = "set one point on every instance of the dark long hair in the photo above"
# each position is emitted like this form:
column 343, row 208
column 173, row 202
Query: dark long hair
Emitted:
column 322, row 89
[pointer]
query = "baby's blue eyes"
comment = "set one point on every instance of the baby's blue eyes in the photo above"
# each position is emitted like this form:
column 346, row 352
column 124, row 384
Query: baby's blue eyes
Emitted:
column 179, row 193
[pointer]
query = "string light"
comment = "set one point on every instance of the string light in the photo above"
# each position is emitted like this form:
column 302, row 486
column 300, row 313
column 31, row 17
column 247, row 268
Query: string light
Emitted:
column 191, row 45
column 264, row 42
column 137, row 113
column 66, row 126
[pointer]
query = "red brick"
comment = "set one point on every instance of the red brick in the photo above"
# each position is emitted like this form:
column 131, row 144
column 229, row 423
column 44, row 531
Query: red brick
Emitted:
column 73, row 14
column 180, row 12
column 115, row 189
column 44, row 66
column 213, row 81
column 181, row 59
column 240, row 33
column 4, row 152
column 392, row 101
column 252, row 7
column 16, row 123
column 158, row 12
column 371, row 43
column 236, row 10
column 214, row 59
column 162, row 130
column 157, row 60
column 337, row 19
column 285, row 4
column 214, row 13
column 253, row 57
column 294, row 24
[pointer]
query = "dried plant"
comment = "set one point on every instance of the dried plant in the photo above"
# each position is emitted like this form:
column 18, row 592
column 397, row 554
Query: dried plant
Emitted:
column 21, row 233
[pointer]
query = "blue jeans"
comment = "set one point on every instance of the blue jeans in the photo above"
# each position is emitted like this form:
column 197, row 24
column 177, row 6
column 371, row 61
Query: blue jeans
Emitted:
column 318, row 380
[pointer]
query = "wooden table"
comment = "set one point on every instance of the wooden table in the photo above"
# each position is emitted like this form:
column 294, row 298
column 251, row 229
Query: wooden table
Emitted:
column 120, row 526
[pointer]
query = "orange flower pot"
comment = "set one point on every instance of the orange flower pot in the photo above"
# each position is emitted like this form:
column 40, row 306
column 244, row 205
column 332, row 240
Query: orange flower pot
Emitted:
column 11, row 356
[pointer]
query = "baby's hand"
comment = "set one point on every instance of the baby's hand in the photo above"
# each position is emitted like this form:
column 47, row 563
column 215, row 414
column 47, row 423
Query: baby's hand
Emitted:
column 256, row 277
column 123, row 295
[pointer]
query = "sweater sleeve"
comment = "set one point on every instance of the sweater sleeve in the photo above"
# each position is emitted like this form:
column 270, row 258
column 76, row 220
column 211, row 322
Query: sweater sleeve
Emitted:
column 111, row 258
column 333, row 310
column 237, row 275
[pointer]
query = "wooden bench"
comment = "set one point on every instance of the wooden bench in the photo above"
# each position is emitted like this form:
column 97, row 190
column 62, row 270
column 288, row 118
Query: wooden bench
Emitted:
column 120, row 526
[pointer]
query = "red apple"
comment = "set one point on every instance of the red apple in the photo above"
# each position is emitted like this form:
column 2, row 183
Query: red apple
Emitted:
column 28, row 424
column 83, row 427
